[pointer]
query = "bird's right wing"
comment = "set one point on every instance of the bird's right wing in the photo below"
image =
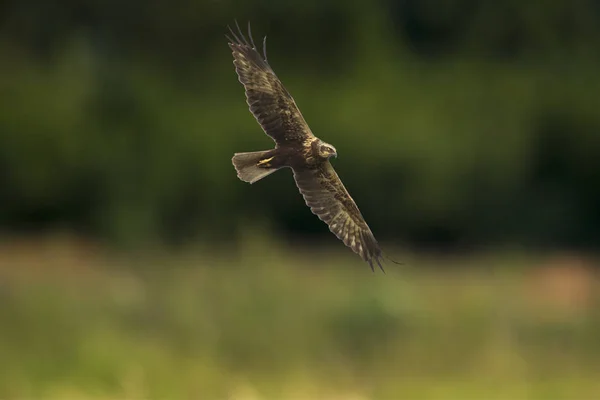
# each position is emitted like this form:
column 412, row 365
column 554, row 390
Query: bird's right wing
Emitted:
column 269, row 101
column 327, row 198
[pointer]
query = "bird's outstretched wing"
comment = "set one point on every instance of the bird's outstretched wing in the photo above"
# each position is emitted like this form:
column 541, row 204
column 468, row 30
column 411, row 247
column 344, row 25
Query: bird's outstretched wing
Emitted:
column 327, row 198
column 269, row 101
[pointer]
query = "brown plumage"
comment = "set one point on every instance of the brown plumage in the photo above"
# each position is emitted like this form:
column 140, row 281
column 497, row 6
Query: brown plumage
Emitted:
column 297, row 148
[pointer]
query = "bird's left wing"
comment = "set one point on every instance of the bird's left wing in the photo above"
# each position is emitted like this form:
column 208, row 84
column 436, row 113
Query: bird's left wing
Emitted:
column 325, row 194
column 269, row 101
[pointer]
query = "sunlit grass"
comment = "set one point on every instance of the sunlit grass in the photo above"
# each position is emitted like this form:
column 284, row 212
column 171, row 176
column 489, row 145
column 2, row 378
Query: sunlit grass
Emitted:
column 271, row 321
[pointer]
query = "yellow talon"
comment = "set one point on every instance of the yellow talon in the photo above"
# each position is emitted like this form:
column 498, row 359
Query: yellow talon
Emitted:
column 265, row 162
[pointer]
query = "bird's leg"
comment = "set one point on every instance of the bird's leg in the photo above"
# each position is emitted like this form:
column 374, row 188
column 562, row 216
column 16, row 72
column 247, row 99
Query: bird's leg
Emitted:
column 265, row 163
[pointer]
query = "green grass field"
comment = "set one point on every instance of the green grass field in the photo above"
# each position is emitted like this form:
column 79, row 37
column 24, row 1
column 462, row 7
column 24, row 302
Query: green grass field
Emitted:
column 266, row 322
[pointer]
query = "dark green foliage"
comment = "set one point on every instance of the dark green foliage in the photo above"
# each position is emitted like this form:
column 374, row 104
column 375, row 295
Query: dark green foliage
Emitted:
column 457, row 122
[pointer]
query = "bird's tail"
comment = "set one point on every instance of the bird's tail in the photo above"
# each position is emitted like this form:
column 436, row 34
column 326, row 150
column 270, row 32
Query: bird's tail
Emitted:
column 252, row 166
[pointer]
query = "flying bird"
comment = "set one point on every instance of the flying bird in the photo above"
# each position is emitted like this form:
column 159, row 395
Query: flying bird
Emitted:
column 296, row 147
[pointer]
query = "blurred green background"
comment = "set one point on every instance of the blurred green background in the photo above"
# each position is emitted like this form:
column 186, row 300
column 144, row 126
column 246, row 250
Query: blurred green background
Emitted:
column 134, row 263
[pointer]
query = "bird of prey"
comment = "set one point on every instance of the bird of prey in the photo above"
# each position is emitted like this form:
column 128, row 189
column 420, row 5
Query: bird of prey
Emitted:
column 297, row 148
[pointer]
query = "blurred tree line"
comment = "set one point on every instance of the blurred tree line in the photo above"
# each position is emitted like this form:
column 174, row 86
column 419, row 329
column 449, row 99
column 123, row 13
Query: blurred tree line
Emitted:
column 458, row 122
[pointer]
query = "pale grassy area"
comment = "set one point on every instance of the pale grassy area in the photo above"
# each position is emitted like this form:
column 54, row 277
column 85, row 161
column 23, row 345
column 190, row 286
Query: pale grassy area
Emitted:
column 269, row 322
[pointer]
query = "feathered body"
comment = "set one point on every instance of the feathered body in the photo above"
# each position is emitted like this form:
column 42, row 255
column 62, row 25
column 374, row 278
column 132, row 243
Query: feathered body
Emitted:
column 296, row 147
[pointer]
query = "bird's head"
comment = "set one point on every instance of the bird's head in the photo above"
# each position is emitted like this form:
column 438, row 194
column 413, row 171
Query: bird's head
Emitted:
column 325, row 150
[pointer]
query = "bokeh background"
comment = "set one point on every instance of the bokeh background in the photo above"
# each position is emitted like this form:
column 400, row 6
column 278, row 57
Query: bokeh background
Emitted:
column 134, row 264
